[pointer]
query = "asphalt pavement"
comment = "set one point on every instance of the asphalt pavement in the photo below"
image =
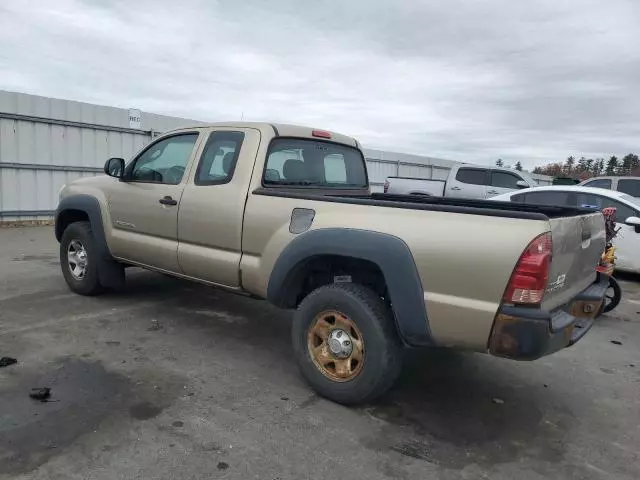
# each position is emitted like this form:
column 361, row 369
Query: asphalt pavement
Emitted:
column 172, row 380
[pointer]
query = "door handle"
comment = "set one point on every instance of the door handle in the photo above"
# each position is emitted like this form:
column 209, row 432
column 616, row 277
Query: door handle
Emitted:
column 493, row 192
column 455, row 188
column 168, row 201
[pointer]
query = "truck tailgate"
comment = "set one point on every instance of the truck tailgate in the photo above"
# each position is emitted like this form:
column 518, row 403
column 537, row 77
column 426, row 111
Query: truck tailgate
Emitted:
column 578, row 243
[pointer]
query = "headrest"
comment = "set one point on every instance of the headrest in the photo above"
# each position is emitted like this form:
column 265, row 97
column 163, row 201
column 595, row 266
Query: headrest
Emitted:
column 294, row 170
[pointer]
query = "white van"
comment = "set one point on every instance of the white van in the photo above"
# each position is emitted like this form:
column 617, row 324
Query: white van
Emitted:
column 628, row 185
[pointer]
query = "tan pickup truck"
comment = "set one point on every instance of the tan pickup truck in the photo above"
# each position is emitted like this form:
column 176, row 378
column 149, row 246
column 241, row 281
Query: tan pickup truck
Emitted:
column 284, row 213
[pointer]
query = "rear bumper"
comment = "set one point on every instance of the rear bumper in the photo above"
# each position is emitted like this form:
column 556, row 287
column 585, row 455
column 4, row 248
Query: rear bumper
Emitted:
column 523, row 333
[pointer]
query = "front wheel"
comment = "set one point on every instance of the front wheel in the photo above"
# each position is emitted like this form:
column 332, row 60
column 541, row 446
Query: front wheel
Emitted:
column 612, row 296
column 79, row 259
column 345, row 341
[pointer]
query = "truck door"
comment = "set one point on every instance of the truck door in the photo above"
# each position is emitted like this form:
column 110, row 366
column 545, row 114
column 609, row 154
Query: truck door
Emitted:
column 212, row 206
column 502, row 182
column 467, row 182
column 144, row 206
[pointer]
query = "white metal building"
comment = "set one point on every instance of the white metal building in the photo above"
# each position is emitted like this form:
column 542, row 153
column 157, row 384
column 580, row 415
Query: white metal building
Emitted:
column 47, row 142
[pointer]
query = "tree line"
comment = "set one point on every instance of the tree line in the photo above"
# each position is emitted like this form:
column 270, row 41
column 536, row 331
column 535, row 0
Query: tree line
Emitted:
column 585, row 168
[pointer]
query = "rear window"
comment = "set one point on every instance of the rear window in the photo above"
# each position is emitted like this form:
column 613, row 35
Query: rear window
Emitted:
column 473, row 176
column 629, row 186
column 301, row 162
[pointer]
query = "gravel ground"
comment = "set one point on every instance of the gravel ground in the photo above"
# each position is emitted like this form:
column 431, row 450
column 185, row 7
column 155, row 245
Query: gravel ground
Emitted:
column 171, row 380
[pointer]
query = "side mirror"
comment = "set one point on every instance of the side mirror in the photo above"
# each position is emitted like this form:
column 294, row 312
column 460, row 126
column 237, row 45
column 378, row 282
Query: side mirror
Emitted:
column 633, row 222
column 522, row 184
column 114, row 167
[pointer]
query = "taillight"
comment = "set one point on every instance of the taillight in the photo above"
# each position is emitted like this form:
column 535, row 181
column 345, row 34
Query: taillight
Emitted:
column 386, row 186
column 531, row 275
column 321, row 134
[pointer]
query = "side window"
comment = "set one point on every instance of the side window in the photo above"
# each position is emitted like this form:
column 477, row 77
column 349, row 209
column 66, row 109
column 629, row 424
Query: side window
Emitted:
column 164, row 161
column 588, row 200
column 504, row 180
column 629, row 186
column 335, row 170
column 562, row 199
column 473, row 176
column 600, row 183
column 219, row 158
column 622, row 211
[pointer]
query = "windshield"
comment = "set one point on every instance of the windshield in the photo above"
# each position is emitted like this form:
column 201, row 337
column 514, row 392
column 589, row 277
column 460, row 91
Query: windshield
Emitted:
column 301, row 162
column 526, row 176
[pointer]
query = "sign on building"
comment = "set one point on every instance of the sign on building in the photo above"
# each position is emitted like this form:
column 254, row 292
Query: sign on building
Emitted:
column 135, row 118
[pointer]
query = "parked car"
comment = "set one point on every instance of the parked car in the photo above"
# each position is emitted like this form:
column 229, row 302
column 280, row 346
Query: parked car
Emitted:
column 283, row 213
column 627, row 242
column 628, row 185
column 464, row 181
column 565, row 181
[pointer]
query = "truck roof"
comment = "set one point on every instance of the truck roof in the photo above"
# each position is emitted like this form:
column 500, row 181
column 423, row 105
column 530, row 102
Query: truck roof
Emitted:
column 279, row 130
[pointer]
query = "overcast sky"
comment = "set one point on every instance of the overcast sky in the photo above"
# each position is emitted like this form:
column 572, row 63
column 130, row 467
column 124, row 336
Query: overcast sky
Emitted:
column 465, row 80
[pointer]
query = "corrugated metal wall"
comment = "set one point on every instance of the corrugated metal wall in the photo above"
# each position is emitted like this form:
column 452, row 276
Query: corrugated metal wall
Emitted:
column 46, row 143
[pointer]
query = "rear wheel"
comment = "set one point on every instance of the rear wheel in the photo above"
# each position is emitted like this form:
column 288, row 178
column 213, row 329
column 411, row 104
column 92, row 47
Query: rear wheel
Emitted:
column 346, row 344
column 613, row 296
column 79, row 259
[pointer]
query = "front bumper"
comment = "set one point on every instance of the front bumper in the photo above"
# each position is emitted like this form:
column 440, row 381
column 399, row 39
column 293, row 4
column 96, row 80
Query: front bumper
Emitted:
column 522, row 333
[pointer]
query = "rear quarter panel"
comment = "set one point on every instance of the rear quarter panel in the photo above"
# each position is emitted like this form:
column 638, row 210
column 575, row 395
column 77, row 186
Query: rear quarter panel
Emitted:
column 464, row 261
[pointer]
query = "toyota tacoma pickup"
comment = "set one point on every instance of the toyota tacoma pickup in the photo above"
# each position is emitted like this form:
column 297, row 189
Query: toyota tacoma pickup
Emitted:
column 284, row 213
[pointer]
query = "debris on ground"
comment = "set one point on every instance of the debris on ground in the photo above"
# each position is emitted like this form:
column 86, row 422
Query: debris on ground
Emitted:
column 499, row 401
column 155, row 326
column 223, row 465
column 616, row 342
column 6, row 361
column 41, row 394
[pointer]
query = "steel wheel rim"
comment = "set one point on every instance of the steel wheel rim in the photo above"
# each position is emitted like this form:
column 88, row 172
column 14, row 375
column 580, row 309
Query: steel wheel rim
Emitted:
column 77, row 259
column 336, row 346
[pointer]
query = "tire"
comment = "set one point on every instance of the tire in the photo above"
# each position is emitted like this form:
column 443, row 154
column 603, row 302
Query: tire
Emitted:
column 77, row 235
column 613, row 295
column 372, row 330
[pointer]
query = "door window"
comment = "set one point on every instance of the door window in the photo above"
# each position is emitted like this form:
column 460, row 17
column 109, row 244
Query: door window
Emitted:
column 629, row 186
column 599, row 202
column 599, row 183
column 164, row 161
column 472, row 176
column 504, row 180
column 218, row 161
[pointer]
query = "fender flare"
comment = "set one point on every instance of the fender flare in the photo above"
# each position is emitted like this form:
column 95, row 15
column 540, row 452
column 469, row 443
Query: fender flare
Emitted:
column 110, row 272
column 391, row 254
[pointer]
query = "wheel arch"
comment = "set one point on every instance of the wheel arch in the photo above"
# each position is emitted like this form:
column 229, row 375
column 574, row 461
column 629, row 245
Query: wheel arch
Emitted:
column 87, row 208
column 388, row 253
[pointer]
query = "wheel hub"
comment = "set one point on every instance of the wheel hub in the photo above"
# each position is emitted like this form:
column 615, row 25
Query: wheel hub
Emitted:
column 340, row 343
column 77, row 259
column 336, row 346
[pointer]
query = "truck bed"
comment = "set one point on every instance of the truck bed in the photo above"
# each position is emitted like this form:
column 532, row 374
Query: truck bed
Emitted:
column 442, row 204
